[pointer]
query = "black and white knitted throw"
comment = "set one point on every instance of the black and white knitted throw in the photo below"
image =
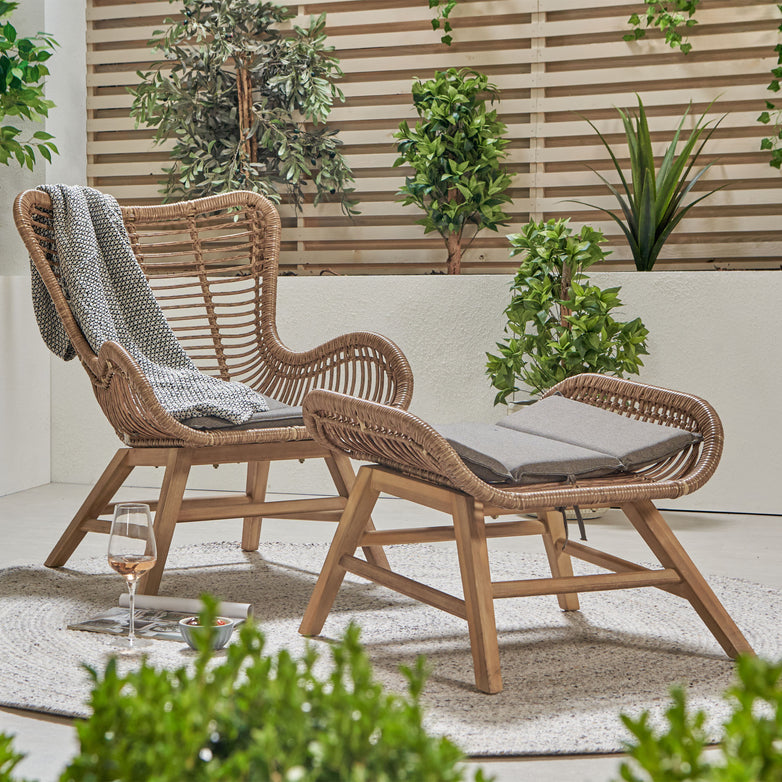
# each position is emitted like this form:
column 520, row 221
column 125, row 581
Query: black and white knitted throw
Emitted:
column 111, row 301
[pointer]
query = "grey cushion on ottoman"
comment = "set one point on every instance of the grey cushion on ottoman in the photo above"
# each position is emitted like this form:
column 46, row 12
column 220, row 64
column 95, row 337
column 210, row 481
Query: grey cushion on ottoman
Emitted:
column 278, row 414
column 634, row 443
column 500, row 455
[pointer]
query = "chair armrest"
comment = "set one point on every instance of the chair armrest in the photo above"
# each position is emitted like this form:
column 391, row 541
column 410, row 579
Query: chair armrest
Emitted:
column 360, row 364
column 130, row 404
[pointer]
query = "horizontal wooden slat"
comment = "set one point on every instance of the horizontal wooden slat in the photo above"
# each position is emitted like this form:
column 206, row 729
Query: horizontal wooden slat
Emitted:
column 555, row 62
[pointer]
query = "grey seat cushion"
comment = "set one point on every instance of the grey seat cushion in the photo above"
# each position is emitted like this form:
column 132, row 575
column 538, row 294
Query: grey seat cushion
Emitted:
column 498, row 454
column 634, row 443
column 278, row 414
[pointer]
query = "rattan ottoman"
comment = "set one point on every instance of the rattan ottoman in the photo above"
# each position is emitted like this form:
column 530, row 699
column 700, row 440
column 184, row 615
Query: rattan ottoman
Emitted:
column 411, row 460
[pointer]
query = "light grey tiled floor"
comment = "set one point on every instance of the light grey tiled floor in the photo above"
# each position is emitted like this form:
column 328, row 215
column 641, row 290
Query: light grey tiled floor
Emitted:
column 31, row 522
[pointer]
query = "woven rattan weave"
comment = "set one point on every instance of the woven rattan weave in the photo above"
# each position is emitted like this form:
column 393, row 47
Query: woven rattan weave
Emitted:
column 212, row 264
column 414, row 462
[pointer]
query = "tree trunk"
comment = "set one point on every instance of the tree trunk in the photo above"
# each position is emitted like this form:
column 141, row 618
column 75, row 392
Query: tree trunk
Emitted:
column 564, row 294
column 454, row 246
column 244, row 91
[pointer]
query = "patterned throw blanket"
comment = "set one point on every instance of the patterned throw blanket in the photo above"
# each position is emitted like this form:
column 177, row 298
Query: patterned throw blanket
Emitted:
column 111, row 301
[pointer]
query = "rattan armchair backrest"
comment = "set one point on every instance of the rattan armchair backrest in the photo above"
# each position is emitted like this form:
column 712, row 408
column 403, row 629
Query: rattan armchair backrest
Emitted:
column 212, row 264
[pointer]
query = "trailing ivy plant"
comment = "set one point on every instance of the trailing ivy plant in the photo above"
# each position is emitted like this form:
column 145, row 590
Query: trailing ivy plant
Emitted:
column 455, row 149
column 652, row 202
column 245, row 103
column 559, row 324
column 670, row 16
column 22, row 73
column 772, row 116
column 255, row 716
column 751, row 746
column 442, row 20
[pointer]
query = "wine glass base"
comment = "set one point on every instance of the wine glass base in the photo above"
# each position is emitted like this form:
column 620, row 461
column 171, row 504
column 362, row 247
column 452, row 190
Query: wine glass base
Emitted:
column 123, row 644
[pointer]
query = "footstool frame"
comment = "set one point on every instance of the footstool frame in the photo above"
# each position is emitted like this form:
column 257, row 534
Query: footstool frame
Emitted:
column 414, row 462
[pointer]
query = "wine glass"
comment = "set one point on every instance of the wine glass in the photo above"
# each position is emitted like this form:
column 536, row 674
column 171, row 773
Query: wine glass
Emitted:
column 132, row 552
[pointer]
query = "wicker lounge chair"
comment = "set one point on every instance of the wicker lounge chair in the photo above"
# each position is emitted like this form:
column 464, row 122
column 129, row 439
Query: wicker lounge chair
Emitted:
column 212, row 264
column 415, row 462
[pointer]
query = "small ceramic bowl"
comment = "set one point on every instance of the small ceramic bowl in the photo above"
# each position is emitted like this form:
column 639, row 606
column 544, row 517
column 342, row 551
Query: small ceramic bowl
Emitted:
column 191, row 630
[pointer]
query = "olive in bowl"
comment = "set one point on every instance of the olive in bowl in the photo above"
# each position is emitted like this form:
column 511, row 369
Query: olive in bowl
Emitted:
column 192, row 629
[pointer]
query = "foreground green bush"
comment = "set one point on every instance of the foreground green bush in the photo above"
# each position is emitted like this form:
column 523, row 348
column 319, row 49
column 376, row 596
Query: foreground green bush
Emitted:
column 751, row 748
column 9, row 759
column 258, row 717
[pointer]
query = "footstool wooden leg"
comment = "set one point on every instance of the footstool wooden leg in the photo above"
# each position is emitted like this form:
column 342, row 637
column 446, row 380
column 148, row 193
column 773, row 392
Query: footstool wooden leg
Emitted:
column 470, row 530
column 665, row 546
column 559, row 561
column 351, row 527
column 344, row 479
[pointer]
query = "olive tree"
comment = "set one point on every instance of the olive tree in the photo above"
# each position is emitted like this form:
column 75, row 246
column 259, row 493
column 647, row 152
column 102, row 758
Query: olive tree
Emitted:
column 245, row 103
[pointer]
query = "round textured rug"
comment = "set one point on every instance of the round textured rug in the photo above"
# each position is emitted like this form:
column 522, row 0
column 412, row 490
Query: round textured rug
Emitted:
column 567, row 676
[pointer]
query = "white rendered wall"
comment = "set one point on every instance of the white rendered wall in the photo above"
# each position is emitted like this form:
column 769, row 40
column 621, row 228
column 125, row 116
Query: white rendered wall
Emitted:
column 24, row 362
column 712, row 334
column 25, row 393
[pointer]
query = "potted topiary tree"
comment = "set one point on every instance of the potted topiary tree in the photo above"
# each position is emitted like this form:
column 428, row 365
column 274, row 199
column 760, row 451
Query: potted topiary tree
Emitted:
column 455, row 150
column 560, row 324
column 22, row 72
column 245, row 103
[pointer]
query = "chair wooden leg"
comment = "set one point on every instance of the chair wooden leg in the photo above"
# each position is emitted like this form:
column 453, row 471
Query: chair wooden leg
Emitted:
column 351, row 527
column 257, row 477
column 344, row 479
column 665, row 546
column 559, row 561
column 112, row 478
column 470, row 530
column 169, row 504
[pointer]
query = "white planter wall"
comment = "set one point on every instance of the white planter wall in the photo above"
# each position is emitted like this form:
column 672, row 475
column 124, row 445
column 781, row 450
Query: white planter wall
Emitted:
column 712, row 334
column 24, row 391
column 25, row 432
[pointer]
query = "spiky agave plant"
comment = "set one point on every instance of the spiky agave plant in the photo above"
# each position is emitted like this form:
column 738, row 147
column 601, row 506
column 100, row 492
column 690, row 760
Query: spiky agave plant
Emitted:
column 652, row 207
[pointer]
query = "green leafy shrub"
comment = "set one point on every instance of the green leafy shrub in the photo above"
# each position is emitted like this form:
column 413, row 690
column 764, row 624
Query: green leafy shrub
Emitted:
column 22, row 72
column 245, row 104
column 560, row 325
column 257, row 717
column 751, row 746
column 455, row 150
column 652, row 204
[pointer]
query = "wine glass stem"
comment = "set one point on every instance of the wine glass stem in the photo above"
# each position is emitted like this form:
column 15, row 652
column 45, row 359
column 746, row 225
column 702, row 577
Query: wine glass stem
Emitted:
column 132, row 608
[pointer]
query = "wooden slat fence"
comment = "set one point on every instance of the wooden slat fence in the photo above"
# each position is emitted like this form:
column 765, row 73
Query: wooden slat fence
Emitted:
column 555, row 62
